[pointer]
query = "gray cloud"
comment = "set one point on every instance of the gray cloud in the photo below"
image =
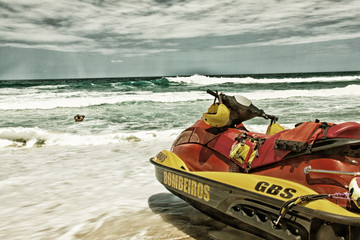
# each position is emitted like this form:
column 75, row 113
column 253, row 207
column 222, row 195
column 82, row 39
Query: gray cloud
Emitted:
column 153, row 26
column 96, row 38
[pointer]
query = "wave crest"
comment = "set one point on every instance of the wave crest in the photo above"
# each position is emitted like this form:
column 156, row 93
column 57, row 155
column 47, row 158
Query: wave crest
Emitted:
column 206, row 80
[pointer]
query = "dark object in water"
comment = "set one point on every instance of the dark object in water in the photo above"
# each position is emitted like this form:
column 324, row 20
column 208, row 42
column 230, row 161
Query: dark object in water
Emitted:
column 79, row 118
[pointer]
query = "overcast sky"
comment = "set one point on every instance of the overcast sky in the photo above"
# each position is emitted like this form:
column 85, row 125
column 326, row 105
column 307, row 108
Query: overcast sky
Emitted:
column 121, row 38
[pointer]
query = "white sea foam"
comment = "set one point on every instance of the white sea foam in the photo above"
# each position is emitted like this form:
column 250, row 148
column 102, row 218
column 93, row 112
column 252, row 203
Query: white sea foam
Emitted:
column 68, row 100
column 71, row 100
column 36, row 137
column 351, row 90
column 206, row 80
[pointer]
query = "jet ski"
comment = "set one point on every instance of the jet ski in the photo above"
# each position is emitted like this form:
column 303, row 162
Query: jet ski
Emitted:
column 299, row 183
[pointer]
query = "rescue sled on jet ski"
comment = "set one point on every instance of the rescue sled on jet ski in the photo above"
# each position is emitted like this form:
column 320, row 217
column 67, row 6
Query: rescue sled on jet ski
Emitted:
column 300, row 183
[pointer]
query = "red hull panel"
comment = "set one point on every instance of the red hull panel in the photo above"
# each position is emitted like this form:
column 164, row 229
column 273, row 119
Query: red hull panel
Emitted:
column 203, row 148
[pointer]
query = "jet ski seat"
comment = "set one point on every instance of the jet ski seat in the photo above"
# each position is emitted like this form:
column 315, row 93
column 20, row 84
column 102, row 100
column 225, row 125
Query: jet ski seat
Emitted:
column 251, row 152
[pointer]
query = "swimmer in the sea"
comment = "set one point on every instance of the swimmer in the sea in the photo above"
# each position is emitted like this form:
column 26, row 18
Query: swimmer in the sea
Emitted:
column 79, row 118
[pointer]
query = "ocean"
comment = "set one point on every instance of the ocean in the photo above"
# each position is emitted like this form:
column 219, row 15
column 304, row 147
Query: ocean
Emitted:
column 61, row 179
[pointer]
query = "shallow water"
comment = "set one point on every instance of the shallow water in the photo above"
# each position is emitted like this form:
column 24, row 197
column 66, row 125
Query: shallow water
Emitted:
column 56, row 192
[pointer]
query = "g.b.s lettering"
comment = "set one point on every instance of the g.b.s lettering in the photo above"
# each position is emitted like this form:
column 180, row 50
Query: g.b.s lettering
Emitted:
column 275, row 190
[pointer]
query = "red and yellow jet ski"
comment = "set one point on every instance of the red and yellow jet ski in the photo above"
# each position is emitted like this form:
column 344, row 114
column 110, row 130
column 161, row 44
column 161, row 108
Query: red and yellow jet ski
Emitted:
column 300, row 183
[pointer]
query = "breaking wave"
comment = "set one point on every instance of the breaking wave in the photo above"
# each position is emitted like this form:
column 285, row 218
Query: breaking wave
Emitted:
column 36, row 137
column 67, row 100
column 206, row 80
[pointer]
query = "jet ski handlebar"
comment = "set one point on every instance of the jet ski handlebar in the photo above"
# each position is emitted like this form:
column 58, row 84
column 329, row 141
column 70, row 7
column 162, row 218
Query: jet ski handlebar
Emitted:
column 241, row 108
column 215, row 94
column 272, row 117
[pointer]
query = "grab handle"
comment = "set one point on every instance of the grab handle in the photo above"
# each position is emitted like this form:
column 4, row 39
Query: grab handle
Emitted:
column 308, row 170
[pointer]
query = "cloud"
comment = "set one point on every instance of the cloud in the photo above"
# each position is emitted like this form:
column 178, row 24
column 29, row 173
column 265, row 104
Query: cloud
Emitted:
column 127, row 28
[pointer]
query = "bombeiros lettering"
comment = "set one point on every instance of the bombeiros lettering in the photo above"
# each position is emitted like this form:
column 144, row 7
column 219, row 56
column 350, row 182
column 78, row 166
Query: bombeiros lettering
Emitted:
column 187, row 185
column 275, row 190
